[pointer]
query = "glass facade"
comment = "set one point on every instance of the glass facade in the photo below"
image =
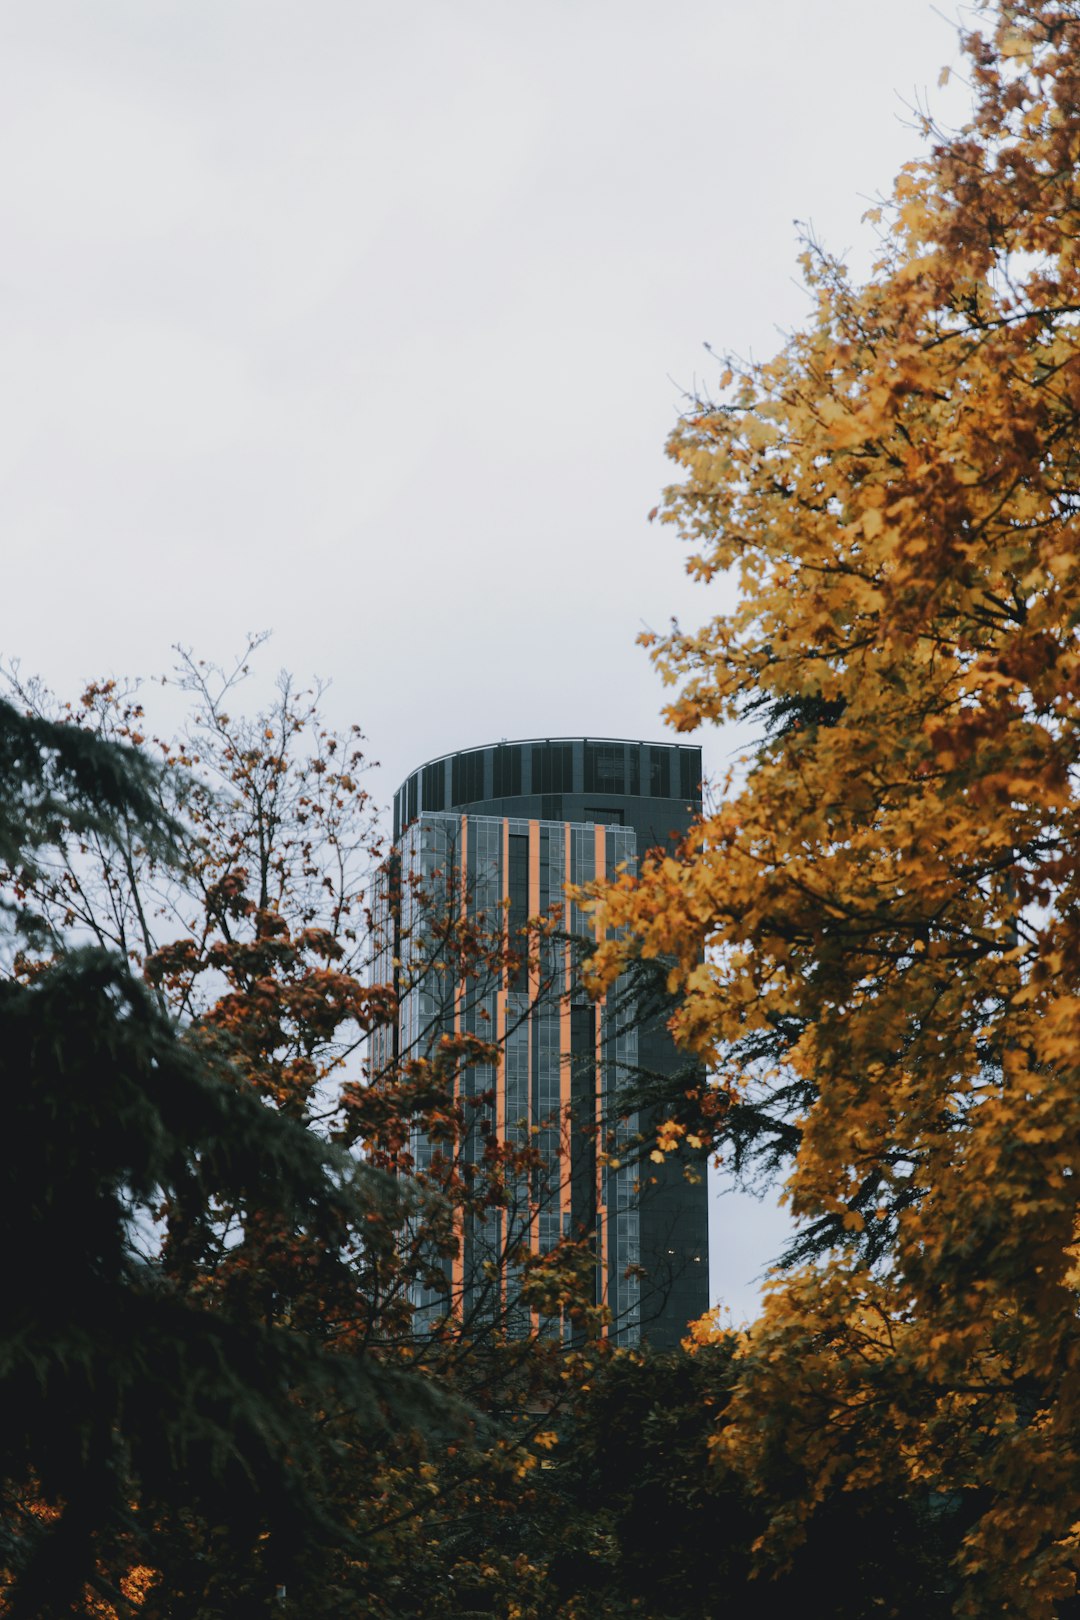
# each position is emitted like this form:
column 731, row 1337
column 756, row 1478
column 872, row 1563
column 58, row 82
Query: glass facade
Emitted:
column 502, row 845
column 657, row 786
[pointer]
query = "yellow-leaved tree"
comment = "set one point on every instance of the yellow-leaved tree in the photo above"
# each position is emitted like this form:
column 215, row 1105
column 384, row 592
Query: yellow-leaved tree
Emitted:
column 876, row 933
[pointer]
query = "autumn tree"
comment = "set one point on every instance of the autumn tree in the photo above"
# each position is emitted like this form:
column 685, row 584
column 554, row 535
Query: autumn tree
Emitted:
column 247, row 943
column 874, row 932
column 129, row 1394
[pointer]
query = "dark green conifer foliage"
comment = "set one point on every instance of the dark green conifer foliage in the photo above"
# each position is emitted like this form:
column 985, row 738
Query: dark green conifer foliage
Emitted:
column 59, row 781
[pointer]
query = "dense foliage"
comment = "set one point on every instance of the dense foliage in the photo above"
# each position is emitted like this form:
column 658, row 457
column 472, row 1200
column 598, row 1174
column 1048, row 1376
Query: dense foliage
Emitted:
column 127, row 1392
column 212, row 1383
column 889, row 901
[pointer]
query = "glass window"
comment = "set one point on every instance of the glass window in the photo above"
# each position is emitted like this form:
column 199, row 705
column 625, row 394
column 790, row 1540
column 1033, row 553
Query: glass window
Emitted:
column 434, row 787
column 690, row 773
column 517, row 892
column 467, row 778
column 507, row 771
column 660, row 773
column 552, row 768
column 605, row 768
column 604, row 814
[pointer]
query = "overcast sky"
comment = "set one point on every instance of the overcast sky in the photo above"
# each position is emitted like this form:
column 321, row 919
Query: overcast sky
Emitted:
column 366, row 323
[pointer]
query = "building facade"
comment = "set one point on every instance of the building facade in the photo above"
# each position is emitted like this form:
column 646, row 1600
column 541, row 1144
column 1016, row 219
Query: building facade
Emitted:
column 500, row 832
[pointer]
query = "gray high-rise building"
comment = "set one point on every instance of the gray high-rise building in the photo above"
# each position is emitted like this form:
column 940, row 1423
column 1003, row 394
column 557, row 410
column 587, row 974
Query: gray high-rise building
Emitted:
column 499, row 832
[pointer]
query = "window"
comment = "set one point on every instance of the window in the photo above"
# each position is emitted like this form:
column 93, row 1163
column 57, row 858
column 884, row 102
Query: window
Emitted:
column 660, row 773
column 690, row 773
column 434, row 788
column 517, row 916
column 552, row 768
column 605, row 768
column 467, row 778
column 506, row 770
column 583, row 1116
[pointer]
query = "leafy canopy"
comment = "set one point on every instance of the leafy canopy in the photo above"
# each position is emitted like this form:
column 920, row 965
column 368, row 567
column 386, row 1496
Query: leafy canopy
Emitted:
column 211, row 1371
column 134, row 1388
column 877, row 932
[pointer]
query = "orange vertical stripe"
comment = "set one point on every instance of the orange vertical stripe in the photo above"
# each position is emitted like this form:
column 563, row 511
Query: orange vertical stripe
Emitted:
column 534, row 901
column 601, row 1210
column 457, row 1263
column 534, row 994
column 564, row 1055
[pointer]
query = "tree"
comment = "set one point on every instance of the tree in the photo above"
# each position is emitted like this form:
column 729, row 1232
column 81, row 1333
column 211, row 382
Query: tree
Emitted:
column 657, row 1522
column 242, row 954
column 875, row 932
column 128, row 1394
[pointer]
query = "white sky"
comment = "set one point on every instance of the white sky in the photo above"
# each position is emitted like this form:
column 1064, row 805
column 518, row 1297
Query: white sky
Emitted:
column 367, row 322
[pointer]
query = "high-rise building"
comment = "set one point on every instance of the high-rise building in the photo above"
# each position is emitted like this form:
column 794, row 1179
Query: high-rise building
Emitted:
column 499, row 832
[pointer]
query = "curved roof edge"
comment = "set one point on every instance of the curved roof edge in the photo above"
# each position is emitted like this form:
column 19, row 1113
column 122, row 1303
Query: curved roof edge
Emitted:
column 525, row 742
